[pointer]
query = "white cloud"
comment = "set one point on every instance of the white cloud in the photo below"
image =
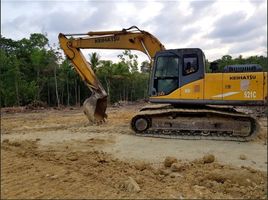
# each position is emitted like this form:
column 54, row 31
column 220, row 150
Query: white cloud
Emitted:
column 218, row 27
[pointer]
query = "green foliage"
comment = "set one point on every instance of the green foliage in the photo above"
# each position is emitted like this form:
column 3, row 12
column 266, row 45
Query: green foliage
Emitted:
column 28, row 91
column 120, row 83
column 130, row 60
column 228, row 60
column 94, row 60
column 24, row 69
column 145, row 66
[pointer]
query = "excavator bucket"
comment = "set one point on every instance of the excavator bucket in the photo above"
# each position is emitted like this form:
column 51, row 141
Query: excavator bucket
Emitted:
column 95, row 108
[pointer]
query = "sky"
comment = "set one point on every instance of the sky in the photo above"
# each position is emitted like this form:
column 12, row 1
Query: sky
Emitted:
column 218, row 27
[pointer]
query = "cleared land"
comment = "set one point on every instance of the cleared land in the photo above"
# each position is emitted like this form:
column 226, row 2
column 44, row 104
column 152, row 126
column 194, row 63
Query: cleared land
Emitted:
column 56, row 154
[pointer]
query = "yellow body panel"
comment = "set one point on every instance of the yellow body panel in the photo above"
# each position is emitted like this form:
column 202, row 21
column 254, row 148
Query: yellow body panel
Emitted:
column 193, row 90
column 243, row 86
column 249, row 86
column 234, row 86
column 213, row 85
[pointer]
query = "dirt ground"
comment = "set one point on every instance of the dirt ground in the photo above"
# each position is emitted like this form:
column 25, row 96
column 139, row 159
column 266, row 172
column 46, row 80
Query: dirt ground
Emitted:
column 55, row 154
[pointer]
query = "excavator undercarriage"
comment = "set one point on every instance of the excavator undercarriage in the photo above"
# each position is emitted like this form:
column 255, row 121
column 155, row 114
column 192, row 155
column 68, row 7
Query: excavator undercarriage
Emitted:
column 194, row 123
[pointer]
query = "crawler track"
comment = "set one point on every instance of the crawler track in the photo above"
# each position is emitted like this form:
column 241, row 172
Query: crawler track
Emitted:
column 203, row 123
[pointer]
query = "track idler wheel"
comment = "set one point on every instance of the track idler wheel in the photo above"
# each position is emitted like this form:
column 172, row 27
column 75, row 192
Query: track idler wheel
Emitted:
column 140, row 124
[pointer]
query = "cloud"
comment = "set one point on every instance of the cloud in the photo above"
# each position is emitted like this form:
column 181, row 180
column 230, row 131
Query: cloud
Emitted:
column 237, row 27
column 218, row 27
column 201, row 5
column 257, row 44
column 182, row 22
column 256, row 2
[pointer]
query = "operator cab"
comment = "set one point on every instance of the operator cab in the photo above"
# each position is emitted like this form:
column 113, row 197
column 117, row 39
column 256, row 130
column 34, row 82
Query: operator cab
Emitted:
column 174, row 68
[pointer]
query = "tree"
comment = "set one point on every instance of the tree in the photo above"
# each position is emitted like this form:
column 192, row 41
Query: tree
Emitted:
column 228, row 60
column 105, row 73
column 38, row 40
column 53, row 62
column 37, row 57
column 131, row 60
column 94, row 60
column 145, row 67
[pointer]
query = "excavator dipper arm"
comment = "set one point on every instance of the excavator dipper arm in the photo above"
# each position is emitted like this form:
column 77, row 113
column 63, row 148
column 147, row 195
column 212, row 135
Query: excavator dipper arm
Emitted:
column 131, row 38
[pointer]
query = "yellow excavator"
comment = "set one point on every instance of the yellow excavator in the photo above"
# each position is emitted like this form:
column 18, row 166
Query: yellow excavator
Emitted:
column 188, row 103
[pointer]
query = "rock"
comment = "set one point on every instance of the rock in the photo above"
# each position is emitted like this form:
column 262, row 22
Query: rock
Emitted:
column 5, row 140
column 57, row 157
column 165, row 172
column 23, row 153
column 169, row 161
column 199, row 189
column 242, row 157
column 175, row 175
column 131, row 185
column 161, row 176
column 139, row 179
column 140, row 166
column 72, row 157
column 103, row 160
column 15, row 143
column 156, row 171
column 54, row 177
column 177, row 167
column 209, row 158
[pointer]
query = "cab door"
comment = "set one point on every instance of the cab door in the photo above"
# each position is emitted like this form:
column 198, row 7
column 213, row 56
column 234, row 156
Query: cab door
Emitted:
column 192, row 74
column 165, row 74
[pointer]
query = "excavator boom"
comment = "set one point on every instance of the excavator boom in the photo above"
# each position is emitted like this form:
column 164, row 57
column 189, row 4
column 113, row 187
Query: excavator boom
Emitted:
column 131, row 38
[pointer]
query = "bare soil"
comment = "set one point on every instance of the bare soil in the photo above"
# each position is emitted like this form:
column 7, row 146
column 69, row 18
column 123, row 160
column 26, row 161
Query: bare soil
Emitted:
column 56, row 154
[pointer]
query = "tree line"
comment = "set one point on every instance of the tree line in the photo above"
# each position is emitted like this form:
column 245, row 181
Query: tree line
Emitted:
column 34, row 71
column 229, row 60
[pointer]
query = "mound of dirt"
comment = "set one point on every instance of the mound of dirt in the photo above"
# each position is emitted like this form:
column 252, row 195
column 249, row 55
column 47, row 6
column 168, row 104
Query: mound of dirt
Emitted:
column 94, row 174
column 242, row 157
column 179, row 167
column 169, row 161
column 209, row 158
column 37, row 105
column 17, row 109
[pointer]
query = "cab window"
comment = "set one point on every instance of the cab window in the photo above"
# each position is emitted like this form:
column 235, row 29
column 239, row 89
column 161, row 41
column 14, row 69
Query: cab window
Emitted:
column 167, row 66
column 166, row 74
column 190, row 64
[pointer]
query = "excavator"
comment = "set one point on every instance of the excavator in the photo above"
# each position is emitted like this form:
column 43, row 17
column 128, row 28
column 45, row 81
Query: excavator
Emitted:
column 186, row 102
